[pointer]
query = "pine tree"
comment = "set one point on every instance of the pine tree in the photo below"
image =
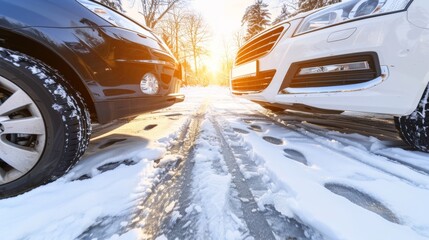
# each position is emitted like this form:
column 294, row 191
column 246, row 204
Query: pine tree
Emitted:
column 307, row 5
column 284, row 14
column 257, row 17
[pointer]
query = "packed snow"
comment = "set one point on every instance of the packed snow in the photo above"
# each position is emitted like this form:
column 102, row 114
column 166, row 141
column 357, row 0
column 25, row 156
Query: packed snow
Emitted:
column 325, row 180
column 212, row 189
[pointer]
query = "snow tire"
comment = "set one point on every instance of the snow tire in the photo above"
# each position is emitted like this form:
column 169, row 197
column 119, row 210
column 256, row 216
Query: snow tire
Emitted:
column 66, row 120
column 414, row 128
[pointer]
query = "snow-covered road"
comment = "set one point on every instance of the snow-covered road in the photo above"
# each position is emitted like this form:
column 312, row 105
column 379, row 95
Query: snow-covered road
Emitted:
column 220, row 167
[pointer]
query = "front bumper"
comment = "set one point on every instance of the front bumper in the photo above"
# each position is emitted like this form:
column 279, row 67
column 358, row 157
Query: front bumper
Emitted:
column 401, row 47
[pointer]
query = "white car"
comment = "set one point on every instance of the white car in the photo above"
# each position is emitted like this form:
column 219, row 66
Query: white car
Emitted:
column 359, row 55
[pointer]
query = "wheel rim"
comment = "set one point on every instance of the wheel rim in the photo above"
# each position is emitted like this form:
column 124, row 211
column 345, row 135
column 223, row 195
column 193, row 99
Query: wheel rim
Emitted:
column 22, row 132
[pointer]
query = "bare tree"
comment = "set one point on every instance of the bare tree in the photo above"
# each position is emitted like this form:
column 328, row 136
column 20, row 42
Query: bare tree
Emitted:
column 228, row 58
column 171, row 29
column 239, row 39
column 155, row 10
column 196, row 35
column 227, row 62
column 186, row 33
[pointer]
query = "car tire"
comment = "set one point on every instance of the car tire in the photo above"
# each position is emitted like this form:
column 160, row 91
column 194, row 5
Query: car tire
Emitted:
column 44, row 124
column 414, row 128
column 86, row 128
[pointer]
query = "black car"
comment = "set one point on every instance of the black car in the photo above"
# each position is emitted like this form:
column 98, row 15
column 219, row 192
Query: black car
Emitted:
column 63, row 65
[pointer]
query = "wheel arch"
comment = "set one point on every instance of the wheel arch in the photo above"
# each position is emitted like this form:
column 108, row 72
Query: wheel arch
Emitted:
column 36, row 49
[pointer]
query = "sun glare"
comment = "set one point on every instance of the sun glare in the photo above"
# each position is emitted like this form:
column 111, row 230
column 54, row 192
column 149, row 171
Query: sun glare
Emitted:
column 212, row 64
column 224, row 19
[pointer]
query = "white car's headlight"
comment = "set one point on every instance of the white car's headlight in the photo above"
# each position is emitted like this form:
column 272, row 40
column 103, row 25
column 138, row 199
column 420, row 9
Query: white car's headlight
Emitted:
column 113, row 17
column 349, row 10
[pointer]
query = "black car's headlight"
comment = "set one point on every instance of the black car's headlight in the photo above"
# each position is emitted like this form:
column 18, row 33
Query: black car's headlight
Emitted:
column 113, row 17
column 349, row 10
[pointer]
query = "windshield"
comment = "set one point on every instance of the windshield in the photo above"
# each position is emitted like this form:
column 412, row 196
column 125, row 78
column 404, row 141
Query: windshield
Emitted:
column 129, row 8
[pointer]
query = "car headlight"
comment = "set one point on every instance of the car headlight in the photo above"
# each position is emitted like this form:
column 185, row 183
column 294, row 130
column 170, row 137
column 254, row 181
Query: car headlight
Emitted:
column 113, row 17
column 349, row 10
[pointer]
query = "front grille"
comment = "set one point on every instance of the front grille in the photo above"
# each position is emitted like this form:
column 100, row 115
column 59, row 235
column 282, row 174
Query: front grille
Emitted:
column 259, row 46
column 256, row 83
column 295, row 80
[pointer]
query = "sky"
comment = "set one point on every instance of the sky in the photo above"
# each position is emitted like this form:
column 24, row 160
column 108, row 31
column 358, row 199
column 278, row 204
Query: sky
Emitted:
column 224, row 19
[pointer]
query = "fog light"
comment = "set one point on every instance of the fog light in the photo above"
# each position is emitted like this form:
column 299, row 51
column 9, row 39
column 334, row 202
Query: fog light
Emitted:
column 149, row 84
column 341, row 67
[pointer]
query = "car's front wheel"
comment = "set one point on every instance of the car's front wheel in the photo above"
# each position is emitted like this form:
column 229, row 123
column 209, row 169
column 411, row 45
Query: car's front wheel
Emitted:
column 42, row 124
column 414, row 128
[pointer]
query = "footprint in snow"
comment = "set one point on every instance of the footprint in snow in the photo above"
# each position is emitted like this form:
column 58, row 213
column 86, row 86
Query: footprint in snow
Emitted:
column 113, row 165
column 255, row 128
column 295, row 155
column 273, row 140
column 104, row 168
column 240, row 131
column 247, row 121
column 150, row 127
column 363, row 200
column 174, row 115
column 81, row 178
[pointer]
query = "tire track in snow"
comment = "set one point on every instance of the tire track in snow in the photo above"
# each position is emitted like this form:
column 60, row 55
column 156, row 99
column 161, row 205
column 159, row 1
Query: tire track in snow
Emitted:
column 172, row 210
column 255, row 220
column 400, row 161
column 379, row 128
column 375, row 153
column 118, row 225
column 160, row 214
column 409, row 177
